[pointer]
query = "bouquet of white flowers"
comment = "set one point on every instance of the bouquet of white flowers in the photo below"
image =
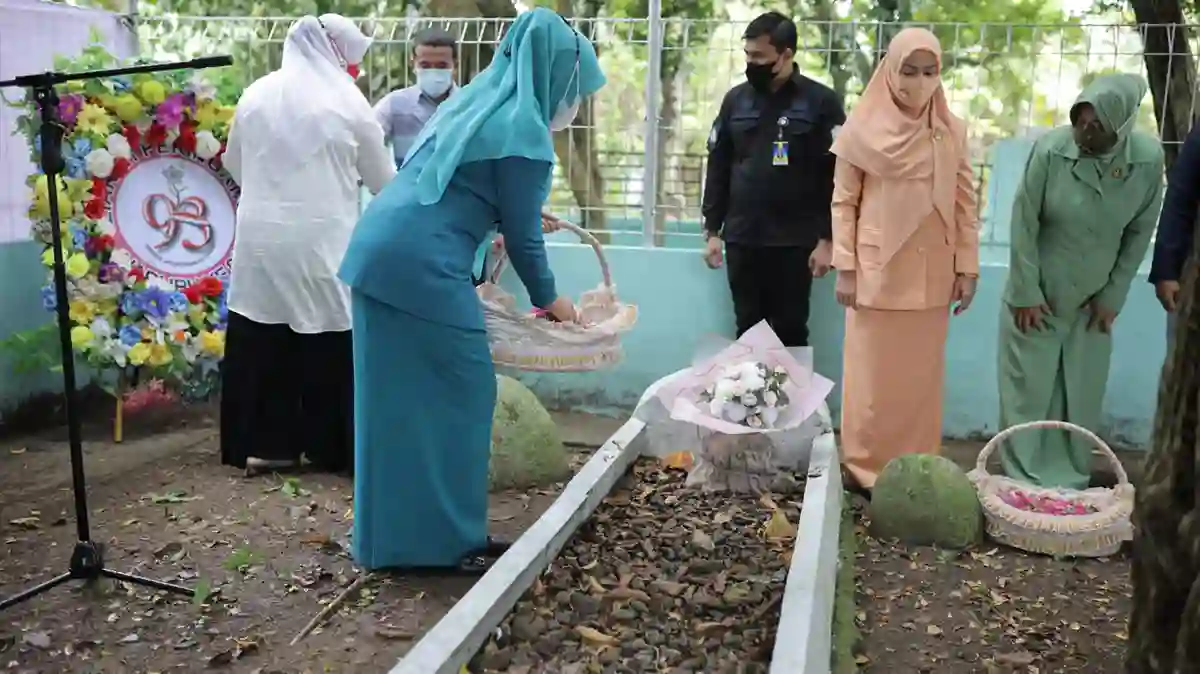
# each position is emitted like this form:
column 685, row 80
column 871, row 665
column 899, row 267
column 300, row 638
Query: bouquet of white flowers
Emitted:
column 745, row 413
column 750, row 393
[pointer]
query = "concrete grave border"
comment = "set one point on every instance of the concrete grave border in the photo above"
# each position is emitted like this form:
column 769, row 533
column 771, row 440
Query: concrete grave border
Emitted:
column 804, row 640
column 454, row 640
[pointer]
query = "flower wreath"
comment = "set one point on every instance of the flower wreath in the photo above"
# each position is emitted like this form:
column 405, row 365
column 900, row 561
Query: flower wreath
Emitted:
column 126, row 318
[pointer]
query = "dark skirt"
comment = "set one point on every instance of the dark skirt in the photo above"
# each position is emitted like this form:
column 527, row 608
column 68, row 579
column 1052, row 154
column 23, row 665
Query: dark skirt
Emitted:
column 425, row 397
column 285, row 394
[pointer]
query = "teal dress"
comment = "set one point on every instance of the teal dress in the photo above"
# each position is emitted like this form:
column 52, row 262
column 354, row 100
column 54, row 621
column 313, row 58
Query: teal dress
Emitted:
column 425, row 387
column 1081, row 226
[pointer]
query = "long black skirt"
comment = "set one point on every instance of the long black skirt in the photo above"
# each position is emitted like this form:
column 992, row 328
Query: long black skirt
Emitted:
column 285, row 394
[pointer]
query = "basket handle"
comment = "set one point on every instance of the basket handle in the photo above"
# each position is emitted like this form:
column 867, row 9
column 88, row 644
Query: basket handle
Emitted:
column 584, row 237
column 999, row 438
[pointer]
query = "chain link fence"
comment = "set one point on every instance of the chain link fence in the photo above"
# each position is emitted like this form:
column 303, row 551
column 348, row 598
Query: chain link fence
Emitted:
column 1007, row 81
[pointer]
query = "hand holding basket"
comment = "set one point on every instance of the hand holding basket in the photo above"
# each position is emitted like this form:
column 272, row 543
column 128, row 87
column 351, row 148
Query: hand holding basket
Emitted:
column 527, row 341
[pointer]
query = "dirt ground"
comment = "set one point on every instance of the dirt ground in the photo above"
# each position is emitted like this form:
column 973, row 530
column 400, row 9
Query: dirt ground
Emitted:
column 991, row 610
column 263, row 550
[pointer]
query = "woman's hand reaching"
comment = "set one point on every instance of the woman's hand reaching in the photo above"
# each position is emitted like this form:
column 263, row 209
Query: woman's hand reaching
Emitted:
column 550, row 223
column 563, row 309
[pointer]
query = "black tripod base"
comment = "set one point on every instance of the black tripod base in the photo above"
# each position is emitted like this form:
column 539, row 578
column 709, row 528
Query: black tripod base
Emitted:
column 87, row 564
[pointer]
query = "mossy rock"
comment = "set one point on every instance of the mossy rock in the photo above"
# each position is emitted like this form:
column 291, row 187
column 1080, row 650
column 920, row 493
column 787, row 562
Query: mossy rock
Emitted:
column 922, row 499
column 527, row 450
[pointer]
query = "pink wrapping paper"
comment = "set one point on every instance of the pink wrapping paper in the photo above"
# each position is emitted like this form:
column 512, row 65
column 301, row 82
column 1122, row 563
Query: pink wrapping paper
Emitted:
column 805, row 388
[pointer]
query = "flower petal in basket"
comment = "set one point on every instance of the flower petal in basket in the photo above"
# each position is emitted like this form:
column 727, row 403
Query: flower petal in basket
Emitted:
column 805, row 388
column 1097, row 534
column 1114, row 506
column 524, row 341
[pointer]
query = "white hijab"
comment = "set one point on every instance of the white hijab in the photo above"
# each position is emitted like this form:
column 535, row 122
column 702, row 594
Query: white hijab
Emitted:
column 311, row 84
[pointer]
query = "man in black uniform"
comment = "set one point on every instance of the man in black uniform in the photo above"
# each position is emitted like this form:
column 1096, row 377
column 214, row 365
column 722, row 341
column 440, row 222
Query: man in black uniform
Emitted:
column 769, row 183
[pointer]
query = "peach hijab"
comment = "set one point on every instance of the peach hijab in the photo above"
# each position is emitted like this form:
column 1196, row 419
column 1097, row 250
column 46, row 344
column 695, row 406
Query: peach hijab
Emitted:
column 887, row 139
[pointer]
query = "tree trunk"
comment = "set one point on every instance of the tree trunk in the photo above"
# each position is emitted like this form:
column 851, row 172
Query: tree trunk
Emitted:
column 1164, row 629
column 483, row 33
column 838, row 39
column 579, row 156
column 667, row 120
column 1170, row 68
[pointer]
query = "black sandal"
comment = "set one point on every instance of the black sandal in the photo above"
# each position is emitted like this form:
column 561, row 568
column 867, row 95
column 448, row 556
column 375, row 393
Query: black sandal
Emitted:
column 475, row 563
column 494, row 548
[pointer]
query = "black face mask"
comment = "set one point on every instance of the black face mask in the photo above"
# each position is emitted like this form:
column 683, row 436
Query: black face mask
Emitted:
column 760, row 75
column 1092, row 139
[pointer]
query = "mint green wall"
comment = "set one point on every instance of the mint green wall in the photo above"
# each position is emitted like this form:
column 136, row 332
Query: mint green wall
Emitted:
column 21, row 278
column 679, row 300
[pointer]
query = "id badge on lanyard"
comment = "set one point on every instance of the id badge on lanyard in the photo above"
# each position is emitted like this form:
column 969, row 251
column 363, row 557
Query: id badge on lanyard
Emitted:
column 779, row 149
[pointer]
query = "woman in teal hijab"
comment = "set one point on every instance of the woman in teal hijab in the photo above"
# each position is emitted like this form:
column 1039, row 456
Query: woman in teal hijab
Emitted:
column 1082, row 221
column 425, row 388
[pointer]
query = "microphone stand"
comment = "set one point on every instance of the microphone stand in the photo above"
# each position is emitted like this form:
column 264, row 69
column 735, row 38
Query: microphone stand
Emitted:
column 87, row 558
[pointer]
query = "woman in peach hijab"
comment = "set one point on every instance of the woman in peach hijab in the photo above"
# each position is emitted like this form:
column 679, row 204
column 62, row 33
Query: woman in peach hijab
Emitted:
column 906, row 247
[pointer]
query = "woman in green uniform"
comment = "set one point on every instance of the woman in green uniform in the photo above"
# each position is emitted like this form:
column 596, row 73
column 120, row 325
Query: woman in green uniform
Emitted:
column 1082, row 221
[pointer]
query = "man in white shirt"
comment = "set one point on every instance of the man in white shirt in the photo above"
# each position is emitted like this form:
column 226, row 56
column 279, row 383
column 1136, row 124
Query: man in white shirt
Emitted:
column 404, row 112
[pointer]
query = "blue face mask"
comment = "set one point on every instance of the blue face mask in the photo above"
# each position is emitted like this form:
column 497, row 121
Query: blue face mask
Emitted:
column 435, row 82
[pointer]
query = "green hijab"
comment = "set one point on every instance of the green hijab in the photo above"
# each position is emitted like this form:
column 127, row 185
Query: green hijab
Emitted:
column 1116, row 98
column 506, row 110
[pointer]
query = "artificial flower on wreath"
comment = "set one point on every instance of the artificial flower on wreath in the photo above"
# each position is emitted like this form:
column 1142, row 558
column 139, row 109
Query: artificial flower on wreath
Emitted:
column 120, row 317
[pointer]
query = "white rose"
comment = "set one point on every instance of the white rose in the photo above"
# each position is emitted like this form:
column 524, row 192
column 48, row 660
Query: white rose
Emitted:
column 770, row 398
column 122, row 258
column 769, row 416
column 715, row 407
column 735, row 412
column 755, row 383
column 749, row 399
column 201, row 87
column 101, row 327
column 99, row 163
column 105, row 226
column 723, row 391
column 160, row 283
column 119, row 147
column 207, row 145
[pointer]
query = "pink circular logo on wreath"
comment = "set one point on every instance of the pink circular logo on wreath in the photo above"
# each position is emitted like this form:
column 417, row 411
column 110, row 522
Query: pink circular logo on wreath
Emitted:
column 176, row 216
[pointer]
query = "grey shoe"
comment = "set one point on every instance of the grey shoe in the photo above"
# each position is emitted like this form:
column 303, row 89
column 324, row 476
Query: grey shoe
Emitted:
column 254, row 465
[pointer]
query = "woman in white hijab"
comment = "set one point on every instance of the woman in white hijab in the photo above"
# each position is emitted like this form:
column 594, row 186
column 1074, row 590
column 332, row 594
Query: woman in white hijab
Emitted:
column 301, row 141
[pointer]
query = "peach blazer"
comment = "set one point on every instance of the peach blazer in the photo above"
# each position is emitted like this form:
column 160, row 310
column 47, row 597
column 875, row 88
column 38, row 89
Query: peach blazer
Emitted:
column 909, row 274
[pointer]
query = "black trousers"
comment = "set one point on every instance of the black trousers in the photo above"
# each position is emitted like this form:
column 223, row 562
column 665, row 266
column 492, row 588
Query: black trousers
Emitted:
column 286, row 394
column 772, row 284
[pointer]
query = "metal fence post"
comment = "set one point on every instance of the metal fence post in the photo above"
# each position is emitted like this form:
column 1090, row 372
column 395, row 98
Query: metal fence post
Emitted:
column 651, row 169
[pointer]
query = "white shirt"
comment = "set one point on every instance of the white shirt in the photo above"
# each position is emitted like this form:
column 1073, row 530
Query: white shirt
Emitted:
column 298, row 154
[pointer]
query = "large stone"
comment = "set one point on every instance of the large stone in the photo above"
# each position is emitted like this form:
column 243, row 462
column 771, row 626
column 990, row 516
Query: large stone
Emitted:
column 922, row 499
column 527, row 450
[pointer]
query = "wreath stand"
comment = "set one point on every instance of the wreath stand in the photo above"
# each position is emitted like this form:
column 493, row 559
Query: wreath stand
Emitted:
column 87, row 557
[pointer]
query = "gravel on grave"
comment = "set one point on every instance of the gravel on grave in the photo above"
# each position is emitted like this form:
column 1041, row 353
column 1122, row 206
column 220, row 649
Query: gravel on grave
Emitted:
column 662, row 578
